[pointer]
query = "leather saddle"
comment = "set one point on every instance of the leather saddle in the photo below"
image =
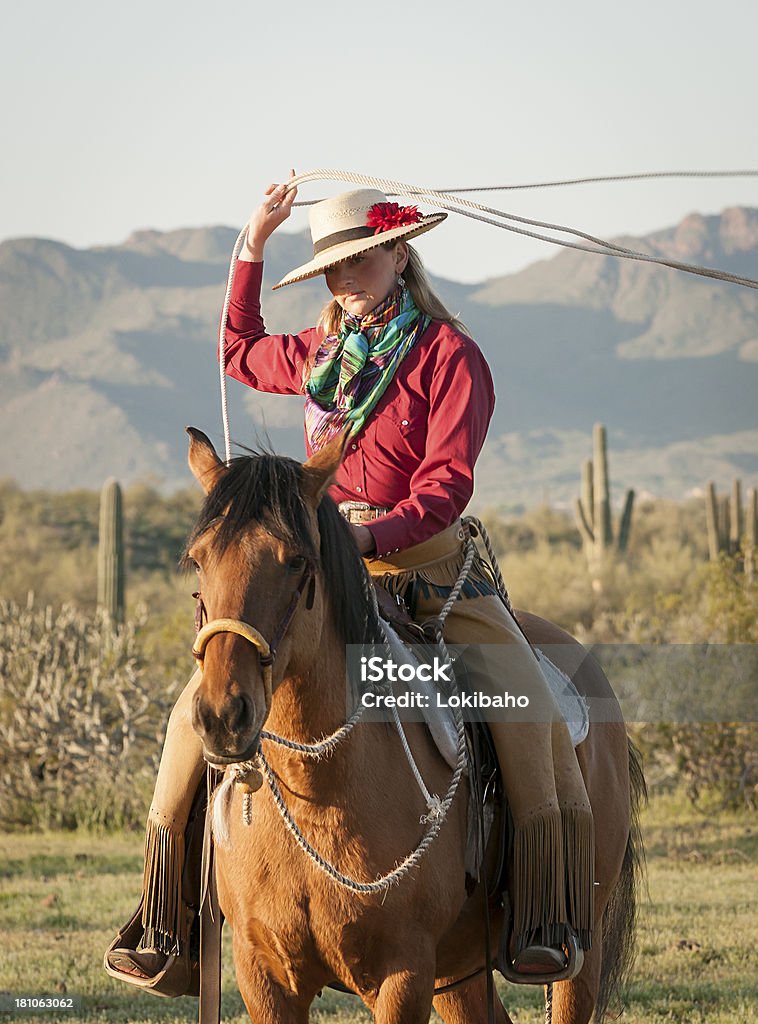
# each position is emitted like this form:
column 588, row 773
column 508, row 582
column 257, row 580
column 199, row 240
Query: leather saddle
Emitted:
column 394, row 611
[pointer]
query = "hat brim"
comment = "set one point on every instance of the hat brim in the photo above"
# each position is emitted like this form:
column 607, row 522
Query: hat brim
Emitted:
column 344, row 250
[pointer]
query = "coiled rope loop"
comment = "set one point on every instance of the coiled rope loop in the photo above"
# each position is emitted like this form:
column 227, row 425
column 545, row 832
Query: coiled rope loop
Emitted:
column 490, row 215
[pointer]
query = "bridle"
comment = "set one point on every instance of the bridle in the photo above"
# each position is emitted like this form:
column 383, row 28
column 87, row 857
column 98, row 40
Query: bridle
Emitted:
column 267, row 651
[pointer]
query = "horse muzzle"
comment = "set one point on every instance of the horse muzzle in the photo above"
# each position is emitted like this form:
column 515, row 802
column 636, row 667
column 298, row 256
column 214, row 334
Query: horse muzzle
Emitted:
column 222, row 761
column 229, row 731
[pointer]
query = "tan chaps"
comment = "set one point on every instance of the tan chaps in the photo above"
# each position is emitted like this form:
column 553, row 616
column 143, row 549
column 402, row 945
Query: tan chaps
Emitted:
column 553, row 852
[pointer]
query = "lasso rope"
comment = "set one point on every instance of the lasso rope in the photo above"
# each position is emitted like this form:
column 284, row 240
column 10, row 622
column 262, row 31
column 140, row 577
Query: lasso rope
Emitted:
column 222, row 343
column 437, row 809
column 645, row 176
column 452, row 201
column 439, row 621
column 384, row 882
column 455, row 204
column 325, row 746
column 499, row 581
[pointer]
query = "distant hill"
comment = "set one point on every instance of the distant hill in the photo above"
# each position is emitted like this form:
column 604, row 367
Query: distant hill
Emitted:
column 108, row 352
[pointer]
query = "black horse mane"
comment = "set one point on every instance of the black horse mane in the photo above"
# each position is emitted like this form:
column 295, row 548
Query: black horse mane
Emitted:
column 266, row 489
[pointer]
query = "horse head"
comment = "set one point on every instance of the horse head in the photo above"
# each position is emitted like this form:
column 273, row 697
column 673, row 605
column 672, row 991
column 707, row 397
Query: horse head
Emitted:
column 257, row 549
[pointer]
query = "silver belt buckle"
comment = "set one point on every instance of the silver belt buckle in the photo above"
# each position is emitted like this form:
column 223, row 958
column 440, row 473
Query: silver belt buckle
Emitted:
column 346, row 507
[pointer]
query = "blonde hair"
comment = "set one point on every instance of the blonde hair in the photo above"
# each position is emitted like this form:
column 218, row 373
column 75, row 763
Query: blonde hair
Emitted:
column 420, row 287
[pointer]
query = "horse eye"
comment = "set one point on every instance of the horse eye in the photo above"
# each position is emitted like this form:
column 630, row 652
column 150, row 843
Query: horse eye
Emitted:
column 296, row 563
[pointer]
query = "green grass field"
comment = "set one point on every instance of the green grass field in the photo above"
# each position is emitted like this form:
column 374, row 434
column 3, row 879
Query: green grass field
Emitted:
column 64, row 894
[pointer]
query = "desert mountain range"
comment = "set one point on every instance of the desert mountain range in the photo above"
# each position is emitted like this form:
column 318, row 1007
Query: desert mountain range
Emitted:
column 108, row 352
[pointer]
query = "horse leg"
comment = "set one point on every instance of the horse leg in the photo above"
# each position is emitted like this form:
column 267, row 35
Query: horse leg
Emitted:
column 574, row 1001
column 268, row 999
column 405, row 995
column 468, row 1004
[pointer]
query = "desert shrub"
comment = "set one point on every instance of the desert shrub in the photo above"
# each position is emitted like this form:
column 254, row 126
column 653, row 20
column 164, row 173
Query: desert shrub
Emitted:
column 662, row 593
column 716, row 610
column 157, row 527
column 80, row 719
column 48, row 541
column 83, row 708
column 714, row 763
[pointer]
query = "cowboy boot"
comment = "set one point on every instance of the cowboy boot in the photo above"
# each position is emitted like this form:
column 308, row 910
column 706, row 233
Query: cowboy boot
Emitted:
column 152, row 950
column 553, row 851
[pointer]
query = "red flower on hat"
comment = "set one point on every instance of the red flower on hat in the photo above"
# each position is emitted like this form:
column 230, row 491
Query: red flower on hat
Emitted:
column 385, row 216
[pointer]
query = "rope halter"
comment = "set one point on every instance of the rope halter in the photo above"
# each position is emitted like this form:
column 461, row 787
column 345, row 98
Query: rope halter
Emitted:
column 266, row 651
column 251, row 634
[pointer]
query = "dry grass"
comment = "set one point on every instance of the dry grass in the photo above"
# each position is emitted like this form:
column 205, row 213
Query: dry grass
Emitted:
column 63, row 895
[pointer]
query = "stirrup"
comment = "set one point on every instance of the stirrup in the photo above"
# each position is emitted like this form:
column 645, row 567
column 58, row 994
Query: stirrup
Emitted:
column 178, row 977
column 574, row 960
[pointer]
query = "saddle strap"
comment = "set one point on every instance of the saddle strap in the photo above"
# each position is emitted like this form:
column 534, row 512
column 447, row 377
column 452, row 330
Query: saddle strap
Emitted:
column 211, row 923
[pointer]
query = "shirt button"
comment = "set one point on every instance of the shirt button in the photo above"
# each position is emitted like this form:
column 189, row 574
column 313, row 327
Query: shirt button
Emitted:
column 354, row 447
column 404, row 422
column 358, row 489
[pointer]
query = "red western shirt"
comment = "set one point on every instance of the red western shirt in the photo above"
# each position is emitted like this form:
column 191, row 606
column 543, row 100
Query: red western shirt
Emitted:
column 416, row 452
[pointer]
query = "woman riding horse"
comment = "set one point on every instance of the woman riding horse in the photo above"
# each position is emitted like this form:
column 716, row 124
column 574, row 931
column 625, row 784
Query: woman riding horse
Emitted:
column 390, row 368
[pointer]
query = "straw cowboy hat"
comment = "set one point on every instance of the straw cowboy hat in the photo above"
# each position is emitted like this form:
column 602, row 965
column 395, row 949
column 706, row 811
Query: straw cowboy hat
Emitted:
column 355, row 222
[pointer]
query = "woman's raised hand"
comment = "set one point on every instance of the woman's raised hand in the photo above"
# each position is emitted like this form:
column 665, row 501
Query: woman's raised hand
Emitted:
column 272, row 212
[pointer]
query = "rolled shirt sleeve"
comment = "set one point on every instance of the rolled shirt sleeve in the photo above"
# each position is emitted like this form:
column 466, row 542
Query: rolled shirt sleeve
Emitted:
column 266, row 362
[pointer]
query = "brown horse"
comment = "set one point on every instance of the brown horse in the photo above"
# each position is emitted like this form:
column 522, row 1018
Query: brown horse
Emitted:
column 274, row 553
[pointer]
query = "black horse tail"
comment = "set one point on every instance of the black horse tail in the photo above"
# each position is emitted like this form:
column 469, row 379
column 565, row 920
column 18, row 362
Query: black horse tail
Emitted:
column 620, row 917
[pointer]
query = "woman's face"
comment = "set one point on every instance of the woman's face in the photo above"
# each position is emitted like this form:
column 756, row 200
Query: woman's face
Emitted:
column 361, row 283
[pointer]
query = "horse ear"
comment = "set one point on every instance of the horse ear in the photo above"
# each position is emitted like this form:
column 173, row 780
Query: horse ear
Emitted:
column 319, row 470
column 207, row 468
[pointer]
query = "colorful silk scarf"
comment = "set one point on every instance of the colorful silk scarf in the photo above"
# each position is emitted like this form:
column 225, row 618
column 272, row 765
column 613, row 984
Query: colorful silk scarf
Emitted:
column 352, row 368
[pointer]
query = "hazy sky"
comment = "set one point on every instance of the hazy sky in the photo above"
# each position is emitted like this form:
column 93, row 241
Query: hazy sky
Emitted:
column 166, row 114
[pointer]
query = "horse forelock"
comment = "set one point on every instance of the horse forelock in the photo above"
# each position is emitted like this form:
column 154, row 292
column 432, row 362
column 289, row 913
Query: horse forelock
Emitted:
column 258, row 488
column 265, row 488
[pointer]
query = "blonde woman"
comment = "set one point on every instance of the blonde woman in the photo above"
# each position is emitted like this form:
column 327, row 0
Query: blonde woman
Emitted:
column 390, row 365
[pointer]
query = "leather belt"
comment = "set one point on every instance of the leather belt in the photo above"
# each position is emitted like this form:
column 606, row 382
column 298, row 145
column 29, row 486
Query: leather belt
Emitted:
column 360, row 511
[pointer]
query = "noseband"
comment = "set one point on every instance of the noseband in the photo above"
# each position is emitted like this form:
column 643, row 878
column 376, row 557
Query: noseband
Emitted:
column 266, row 651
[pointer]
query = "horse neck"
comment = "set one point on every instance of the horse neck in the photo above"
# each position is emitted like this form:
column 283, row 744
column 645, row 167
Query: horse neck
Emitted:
column 352, row 776
column 308, row 706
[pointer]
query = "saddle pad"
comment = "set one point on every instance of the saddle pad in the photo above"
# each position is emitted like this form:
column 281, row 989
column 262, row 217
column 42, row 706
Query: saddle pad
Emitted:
column 572, row 705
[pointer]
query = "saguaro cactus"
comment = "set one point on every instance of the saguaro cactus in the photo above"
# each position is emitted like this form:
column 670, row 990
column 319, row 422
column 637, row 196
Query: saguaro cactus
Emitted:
column 593, row 508
column 110, row 552
column 731, row 528
column 751, row 533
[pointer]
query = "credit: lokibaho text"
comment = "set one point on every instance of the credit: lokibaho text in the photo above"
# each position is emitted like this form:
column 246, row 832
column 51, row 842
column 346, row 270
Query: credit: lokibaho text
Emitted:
column 382, row 670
